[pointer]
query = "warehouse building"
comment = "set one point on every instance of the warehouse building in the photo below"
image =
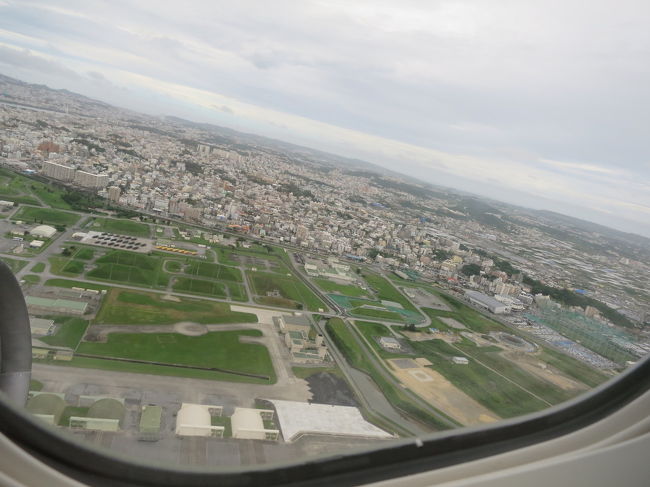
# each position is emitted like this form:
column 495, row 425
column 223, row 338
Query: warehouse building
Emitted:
column 301, row 418
column 196, row 420
column 104, row 415
column 43, row 231
column 486, row 302
column 40, row 326
column 48, row 305
column 248, row 424
column 46, row 406
column 150, row 421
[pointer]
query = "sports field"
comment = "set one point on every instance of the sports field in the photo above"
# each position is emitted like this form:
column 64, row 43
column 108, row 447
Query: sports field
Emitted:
column 293, row 293
column 130, row 268
column 141, row 308
column 120, row 227
column 47, row 216
column 221, row 350
column 213, row 271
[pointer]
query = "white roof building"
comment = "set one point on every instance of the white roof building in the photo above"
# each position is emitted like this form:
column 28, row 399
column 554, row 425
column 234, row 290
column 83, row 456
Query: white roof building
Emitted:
column 196, row 420
column 43, row 231
column 302, row 418
column 248, row 424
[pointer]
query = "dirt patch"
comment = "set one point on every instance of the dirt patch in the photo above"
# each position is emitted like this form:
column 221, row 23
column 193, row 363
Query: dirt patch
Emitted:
column 330, row 389
column 443, row 395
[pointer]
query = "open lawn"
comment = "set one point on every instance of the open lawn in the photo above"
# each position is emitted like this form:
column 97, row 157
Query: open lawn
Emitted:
column 345, row 289
column 200, row 286
column 371, row 331
column 377, row 313
column 38, row 267
column 488, row 388
column 491, row 358
column 386, row 291
column 469, row 317
column 19, row 188
column 141, row 308
column 130, row 268
column 291, row 290
column 47, row 216
column 222, row 350
column 32, row 279
column 14, row 264
column 213, row 271
column 120, row 227
column 84, row 253
column 65, row 266
column 573, row 368
column 69, row 333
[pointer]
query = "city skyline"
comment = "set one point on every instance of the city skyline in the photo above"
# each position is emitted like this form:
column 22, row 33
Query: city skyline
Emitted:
column 566, row 157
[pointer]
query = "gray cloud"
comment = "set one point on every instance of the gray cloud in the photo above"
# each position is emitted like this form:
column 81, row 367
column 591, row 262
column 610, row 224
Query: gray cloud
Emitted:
column 518, row 81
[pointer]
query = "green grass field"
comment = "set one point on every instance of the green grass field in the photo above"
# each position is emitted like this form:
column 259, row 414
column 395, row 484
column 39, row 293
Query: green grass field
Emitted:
column 213, row 271
column 84, row 253
column 14, row 264
column 130, row 268
column 371, row 331
column 386, row 291
column 69, row 333
column 38, row 267
column 488, row 388
column 573, row 368
column 200, row 286
column 173, row 266
column 469, row 317
column 293, row 292
column 345, row 289
column 377, row 313
column 141, row 308
column 121, row 227
column 32, row 279
column 215, row 350
column 45, row 215
column 16, row 187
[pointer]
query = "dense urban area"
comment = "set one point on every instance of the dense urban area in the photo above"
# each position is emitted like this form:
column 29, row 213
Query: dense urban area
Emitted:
column 255, row 300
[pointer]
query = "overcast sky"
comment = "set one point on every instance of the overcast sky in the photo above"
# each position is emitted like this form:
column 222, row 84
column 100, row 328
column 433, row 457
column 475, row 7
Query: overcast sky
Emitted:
column 539, row 103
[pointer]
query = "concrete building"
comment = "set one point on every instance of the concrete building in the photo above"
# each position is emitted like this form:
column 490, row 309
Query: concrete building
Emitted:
column 460, row 360
column 300, row 418
column 43, row 231
column 390, row 343
column 89, row 180
column 150, row 421
column 487, row 302
column 196, row 420
column 46, row 406
column 47, row 305
column 105, row 414
column 248, row 424
column 114, row 194
column 40, row 326
column 58, row 171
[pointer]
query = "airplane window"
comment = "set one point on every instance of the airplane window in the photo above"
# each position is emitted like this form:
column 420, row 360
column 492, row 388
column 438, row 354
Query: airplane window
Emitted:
column 248, row 237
